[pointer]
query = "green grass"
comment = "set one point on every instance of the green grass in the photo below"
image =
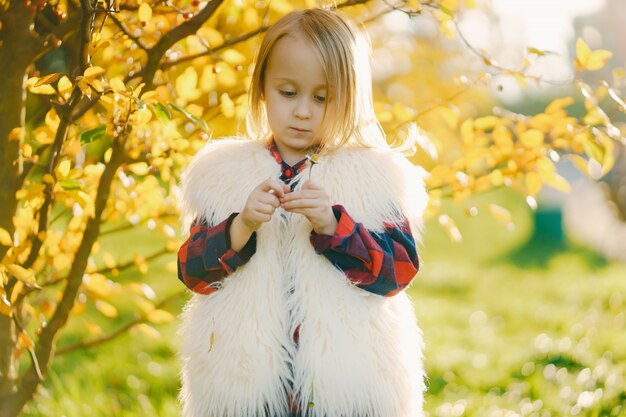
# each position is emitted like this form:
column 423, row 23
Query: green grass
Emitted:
column 506, row 335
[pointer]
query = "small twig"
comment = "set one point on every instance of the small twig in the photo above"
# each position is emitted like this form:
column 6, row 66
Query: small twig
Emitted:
column 431, row 108
column 98, row 341
column 211, row 51
column 31, row 351
column 130, row 264
column 124, row 29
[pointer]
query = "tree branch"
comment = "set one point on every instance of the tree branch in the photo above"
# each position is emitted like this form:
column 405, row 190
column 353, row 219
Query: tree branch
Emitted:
column 111, row 336
column 242, row 38
column 191, row 26
column 210, row 51
column 124, row 29
column 31, row 351
column 131, row 264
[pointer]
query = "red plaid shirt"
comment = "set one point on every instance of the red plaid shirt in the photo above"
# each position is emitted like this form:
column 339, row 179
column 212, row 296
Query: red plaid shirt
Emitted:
column 381, row 263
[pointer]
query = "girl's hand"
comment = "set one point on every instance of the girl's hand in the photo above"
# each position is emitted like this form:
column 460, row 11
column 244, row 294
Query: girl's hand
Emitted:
column 312, row 202
column 261, row 204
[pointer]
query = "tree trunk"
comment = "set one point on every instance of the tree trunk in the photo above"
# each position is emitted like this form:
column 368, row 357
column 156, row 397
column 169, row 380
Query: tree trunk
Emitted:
column 16, row 54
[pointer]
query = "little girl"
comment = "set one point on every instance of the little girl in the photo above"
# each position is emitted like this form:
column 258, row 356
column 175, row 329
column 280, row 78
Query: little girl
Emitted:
column 301, row 244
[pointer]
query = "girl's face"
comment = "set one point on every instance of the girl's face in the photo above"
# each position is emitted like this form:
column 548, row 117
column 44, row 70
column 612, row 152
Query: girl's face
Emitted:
column 295, row 95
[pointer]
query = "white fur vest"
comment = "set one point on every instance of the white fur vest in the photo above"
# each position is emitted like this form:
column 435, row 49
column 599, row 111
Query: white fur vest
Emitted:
column 359, row 354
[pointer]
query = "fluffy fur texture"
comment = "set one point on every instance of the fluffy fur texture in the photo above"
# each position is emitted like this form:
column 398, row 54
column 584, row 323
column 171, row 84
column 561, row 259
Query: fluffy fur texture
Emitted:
column 359, row 353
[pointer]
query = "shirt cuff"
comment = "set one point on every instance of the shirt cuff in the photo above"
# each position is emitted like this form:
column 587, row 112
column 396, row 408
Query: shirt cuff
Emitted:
column 345, row 228
column 232, row 259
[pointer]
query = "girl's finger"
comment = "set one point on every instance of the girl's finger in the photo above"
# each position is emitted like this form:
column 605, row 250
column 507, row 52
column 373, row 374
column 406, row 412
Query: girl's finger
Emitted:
column 311, row 185
column 265, row 209
column 270, row 199
column 272, row 186
column 302, row 203
column 296, row 195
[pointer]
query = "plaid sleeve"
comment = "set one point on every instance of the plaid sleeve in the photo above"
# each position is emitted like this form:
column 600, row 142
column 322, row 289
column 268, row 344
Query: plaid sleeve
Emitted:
column 206, row 256
column 381, row 263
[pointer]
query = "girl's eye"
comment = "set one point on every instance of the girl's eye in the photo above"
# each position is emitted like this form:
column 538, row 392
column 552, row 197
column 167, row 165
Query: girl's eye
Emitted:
column 320, row 99
column 287, row 93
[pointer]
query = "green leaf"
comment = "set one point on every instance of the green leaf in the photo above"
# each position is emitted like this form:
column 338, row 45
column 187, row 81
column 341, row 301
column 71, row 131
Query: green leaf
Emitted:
column 199, row 122
column 93, row 134
column 69, row 184
column 162, row 111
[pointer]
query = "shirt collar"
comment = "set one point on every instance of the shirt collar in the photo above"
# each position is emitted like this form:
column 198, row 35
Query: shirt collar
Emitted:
column 287, row 171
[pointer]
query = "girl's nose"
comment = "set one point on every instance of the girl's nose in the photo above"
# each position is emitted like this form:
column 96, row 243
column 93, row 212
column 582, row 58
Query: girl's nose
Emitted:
column 302, row 109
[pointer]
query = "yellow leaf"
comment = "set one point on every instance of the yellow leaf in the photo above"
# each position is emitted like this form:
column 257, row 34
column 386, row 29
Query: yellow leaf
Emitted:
column 619, row 73
column 17, row 134
column 64, row 85
column 159, row 316
column 496, row 178
column 117, row 85
column 609, row 155
column 25, row 341
column 64, row 168
column 78, row 309
column 139, row 168
column 93, row 329
column 42, row 89
column 5, row 238
column 143, row 115
column 450, row 116
column 589, row 60
column 97, row 284
column 186, row 84
column 251, row 17
column 145, row 12
column 93, row 72
column 467, row 131
column 580, row 163
column 450, row 227
column 106, row 309
column 211, row 341
column 227, row 106
column 558, row 182
column 500, row 213
column 25, row 275
column 503, row 138
column 109, row 260
column 107, row 155
column 533, row 183
column 5, row 306
column 233, row 57
column 62, row 261
column 281, row 6
column 52, row 119
column 211, row 35
column 226, row 76
column 48, row 179
column 594, row 117
column 558, row 104
column 148, row 330
column 532, row 138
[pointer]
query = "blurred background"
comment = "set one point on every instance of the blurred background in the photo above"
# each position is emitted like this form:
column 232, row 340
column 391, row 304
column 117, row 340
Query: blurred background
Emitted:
column 521, row 295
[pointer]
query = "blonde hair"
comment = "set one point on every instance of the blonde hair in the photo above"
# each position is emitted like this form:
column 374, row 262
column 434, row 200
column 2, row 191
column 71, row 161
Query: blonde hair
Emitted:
column 344, row 53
